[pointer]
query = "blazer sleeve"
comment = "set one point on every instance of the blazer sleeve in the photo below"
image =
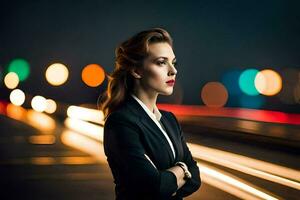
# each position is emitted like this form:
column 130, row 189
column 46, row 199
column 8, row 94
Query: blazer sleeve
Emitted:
column 193, row 184
column 126, row 157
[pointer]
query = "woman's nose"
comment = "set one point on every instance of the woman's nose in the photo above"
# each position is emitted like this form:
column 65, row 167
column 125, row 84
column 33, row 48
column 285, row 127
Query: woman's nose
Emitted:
column 173, row 70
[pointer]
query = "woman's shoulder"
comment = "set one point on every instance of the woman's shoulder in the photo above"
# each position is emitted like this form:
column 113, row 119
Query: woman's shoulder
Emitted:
column 168, row 114
column 122, row 121
column 121, row 116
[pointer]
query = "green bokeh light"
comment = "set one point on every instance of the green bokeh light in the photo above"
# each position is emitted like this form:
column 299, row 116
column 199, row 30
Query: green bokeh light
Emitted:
column 246, row 82
column 20, row 67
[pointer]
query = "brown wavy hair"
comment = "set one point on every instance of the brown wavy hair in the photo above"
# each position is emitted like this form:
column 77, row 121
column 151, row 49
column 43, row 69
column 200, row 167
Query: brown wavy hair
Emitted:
column 129, row 54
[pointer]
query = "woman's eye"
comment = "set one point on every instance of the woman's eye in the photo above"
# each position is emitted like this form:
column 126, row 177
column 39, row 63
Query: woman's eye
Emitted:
column 161, row 62
column 165, row 62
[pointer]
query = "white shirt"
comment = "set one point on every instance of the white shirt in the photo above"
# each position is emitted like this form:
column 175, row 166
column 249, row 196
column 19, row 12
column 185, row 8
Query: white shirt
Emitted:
column 155, row 116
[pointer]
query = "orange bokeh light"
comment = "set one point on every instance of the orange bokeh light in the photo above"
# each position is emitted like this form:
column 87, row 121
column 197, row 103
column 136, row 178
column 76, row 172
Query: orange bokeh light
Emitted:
column 93, row 75
column 268, row 82
column 214, row 94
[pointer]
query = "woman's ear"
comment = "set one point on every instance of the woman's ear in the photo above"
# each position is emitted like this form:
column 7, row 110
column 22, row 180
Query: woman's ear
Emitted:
column 135, row 73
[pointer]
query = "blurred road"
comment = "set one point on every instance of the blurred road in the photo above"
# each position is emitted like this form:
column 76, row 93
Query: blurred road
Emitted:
column 39, row 161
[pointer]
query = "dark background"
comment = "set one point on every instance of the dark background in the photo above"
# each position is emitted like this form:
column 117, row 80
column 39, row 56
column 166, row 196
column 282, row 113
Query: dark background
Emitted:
column 210, row 38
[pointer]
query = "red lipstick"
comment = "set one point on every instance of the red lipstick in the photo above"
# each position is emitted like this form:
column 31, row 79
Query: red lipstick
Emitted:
column 171, row 82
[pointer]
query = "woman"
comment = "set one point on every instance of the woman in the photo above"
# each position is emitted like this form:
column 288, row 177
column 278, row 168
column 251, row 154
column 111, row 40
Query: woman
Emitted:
column 145, row 146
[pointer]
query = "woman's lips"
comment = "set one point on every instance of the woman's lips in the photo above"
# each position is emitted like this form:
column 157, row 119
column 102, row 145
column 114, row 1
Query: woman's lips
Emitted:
column 171, row 82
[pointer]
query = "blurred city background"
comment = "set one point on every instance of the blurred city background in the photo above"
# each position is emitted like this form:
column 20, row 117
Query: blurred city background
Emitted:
column 237, row 93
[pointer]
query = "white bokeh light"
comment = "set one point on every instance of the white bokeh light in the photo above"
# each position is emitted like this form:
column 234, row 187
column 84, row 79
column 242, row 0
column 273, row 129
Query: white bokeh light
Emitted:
column 17, row 97
column 38, row 103
column 57, row 74
column 50, row 106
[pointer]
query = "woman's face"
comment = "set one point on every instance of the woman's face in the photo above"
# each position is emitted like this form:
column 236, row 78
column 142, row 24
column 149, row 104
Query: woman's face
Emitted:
column 158, row 69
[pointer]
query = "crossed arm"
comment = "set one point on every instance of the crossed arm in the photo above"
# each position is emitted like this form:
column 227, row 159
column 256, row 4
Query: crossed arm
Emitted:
column 127, row 159
column 194, row 183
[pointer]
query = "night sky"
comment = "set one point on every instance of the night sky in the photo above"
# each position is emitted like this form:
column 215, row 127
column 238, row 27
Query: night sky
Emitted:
column 210, row 38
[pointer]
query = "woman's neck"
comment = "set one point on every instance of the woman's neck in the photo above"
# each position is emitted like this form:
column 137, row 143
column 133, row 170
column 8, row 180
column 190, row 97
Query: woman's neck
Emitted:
column 148, row 99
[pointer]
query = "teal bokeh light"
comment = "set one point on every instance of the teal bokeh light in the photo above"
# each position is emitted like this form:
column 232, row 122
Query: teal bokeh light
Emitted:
column 246, row 82
column 254, row 102
column 20, row 67
column 231, row 82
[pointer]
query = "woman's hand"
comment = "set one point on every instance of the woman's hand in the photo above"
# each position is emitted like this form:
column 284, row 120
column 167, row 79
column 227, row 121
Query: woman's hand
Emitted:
column 179, row 173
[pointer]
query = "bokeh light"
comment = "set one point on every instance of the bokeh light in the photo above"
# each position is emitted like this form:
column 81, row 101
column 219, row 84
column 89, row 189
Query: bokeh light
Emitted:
column 214, row 94
column 50, row 106
column 42, row 139
column 57, row 74
column 40, row 121
column 20, row 67
column 252, row 101
column 17, row 97
column 268, row 82
column 93, row 75
column 231, row 82
column 2, row 107
column 85, row 114
column 38, row 103
column 246, row 82
column 11, row 80
column 16, row 112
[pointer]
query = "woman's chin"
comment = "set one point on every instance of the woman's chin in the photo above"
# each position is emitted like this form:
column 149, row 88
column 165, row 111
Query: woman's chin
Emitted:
column 167, row 92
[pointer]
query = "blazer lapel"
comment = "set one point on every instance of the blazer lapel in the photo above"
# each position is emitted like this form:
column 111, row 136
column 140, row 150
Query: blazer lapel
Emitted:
column 150, row 125
column 171, row 133
column 147, row 122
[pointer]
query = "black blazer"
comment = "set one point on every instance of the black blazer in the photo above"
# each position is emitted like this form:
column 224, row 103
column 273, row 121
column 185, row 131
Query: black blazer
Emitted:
column 129, row 134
